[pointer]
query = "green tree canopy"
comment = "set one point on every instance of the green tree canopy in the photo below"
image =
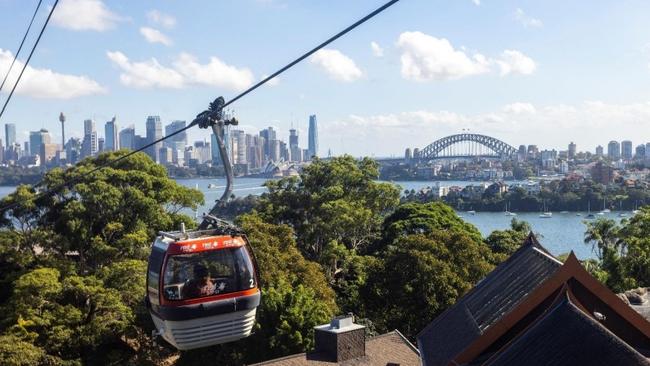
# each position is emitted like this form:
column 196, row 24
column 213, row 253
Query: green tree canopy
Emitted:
column 332, row 201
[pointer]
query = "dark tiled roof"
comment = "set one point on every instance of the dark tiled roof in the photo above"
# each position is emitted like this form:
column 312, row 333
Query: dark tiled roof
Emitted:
column 565, row 337
column 487, row 302
column 381, row 350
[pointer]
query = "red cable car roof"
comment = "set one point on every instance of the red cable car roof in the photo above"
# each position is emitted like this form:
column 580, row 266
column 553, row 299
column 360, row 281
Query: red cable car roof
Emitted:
column 205, row 243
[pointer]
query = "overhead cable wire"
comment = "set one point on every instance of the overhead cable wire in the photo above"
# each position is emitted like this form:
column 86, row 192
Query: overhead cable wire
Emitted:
column 40, row 34
column 21, row 45
column 194, row 123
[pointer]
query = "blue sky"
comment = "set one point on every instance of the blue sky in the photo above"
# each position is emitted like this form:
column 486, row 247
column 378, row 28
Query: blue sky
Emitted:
column 527, row 72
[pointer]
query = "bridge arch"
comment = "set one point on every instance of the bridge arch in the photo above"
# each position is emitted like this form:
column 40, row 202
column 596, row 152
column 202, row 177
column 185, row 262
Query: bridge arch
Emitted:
column 476, row 145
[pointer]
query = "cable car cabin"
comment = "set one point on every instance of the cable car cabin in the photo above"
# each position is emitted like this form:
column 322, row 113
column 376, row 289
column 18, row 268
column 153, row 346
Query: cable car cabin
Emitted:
column 202, row 288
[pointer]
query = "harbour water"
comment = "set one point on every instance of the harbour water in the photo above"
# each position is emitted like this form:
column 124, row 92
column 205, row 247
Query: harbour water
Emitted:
column 560, row 234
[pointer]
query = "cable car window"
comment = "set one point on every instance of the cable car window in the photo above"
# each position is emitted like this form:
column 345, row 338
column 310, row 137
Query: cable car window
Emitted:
column 189, row 276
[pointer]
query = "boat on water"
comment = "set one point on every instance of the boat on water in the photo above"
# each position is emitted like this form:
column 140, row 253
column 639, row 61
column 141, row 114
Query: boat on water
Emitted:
column 471, row 212
column 634, row 212
column 546, row 214
column 564, row 212
column 507, row 211
column 589, row 216
column 623, row 214
column 212, row 186
column 578, row 214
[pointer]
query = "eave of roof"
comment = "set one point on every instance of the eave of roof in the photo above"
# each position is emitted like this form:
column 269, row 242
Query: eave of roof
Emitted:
column 571, row 269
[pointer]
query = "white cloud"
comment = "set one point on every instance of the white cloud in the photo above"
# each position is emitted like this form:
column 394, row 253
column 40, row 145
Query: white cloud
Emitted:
column 519, row 108
column 527, row 21
column 214, row 73
column 337, row 65
column 155, row 36
column 515, row 62
column 551, row 127
column 426, row 58
column 84, row 15
column 160, row 18
column 377, row 51
column 185, row 71
column 477, row 2
column 146, row 74
column 45, row 83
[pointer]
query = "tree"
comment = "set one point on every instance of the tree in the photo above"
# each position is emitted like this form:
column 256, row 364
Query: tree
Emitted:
column 505, row 242
column 417, row 218
column 74, row 260
column 428, row 257
column 602, row 234
column 332, row 201
column 421, row 277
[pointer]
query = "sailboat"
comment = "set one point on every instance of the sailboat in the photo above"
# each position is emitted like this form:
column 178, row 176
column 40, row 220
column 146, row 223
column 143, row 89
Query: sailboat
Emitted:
column 546, row 214
column 508, row 213
column 589, row 216
column 605, row 210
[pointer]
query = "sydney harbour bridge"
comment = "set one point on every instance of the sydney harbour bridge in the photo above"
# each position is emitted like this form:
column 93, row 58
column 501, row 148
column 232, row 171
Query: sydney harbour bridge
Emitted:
column 463, row 146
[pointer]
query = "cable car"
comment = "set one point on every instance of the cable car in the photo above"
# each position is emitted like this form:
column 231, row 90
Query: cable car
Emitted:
column 202, row 287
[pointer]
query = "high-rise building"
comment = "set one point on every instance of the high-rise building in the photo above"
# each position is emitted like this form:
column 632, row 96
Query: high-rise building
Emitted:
column 10, row 134
column 154, row 132
column 36, row 141
column 626, row 149
column 127, row 138
column 179, row 141
column 268, row 135
column 101, row 144
column 599, row 150
column 89, row 146
column 647, row 150
column 28, row 150
column 73, row 150
column 313, row 136
column 111, row 137
column 640, row 152
column 572, row 150
column 239, row 147
column 614, row 150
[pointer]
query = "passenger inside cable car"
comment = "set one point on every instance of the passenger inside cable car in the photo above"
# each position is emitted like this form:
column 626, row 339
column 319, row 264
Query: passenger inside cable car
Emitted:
column 191, row 276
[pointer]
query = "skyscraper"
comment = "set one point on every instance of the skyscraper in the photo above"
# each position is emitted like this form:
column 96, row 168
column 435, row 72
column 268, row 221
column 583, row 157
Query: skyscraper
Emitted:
column 313, row 137
column 294, row 149
column 89, row 146
column 614, row 150
column 127, row 138
column 36, row 141
column 10, row 134
column 626, row 149
column 572, row 150
column 176, row 142
column 599, row 150
column 154, row 132
column 111, row 139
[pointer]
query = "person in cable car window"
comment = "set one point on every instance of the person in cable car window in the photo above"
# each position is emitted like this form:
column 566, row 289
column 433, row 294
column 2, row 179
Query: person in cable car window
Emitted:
column 200, row 285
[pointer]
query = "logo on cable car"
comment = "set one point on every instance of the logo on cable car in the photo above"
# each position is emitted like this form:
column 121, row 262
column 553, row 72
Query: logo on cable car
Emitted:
column 215, row 243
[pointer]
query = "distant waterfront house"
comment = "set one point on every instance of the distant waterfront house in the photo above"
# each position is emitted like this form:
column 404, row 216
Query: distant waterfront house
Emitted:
column 534, row 310
column 342, row 342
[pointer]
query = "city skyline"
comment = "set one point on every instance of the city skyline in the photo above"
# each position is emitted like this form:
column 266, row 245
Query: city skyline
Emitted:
column 516, row 71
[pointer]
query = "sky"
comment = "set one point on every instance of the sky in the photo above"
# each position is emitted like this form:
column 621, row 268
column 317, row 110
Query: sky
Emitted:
column 526, row 72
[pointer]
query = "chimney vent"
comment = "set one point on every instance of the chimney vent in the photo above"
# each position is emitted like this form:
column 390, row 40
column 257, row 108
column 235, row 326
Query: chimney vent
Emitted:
column 341, row 339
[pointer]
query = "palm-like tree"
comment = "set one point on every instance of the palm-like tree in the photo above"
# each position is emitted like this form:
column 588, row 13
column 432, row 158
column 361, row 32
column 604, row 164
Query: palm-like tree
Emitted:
column 602, row 234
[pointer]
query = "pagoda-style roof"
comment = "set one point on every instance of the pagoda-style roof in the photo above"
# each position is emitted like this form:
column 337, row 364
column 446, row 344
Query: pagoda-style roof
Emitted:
column 493, row 297
column 566, row 336
column 570, row 319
